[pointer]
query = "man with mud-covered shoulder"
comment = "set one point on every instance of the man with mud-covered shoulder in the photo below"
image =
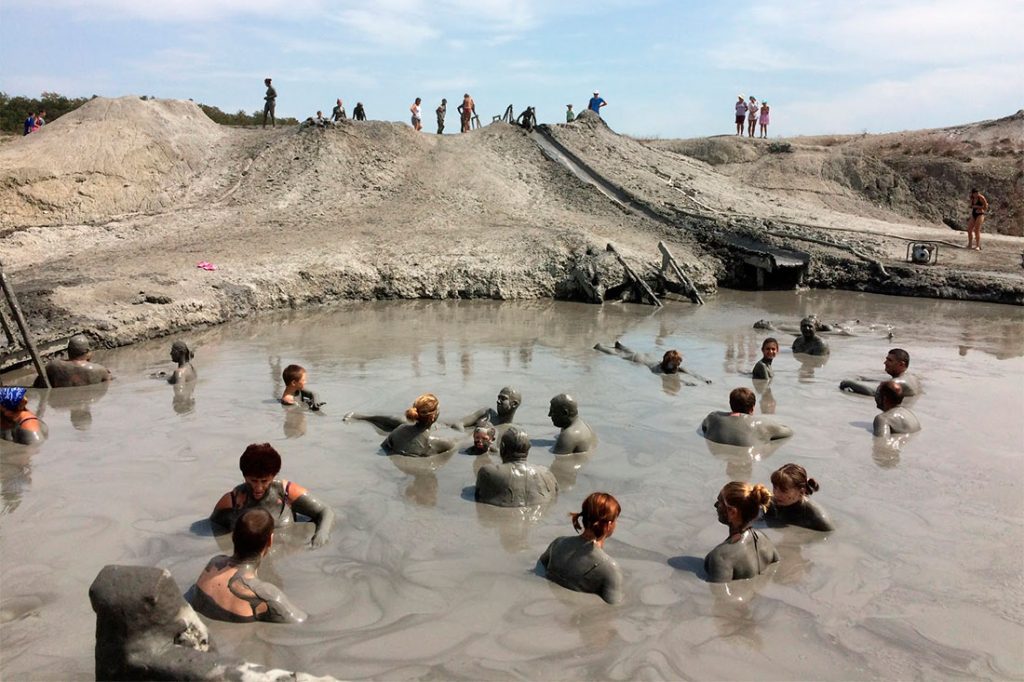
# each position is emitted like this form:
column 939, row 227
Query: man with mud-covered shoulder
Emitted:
column 576, row 435
column 77, row 370
column 502, row 414
column 896, row 363
column 894, row 419
column 809, row 343
column 515, row 482
column 740, row 427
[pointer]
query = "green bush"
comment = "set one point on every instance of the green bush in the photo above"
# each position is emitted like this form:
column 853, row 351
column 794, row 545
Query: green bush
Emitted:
column 780, row 148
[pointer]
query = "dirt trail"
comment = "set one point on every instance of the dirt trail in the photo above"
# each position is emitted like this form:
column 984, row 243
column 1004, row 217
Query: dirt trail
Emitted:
column 106, row 212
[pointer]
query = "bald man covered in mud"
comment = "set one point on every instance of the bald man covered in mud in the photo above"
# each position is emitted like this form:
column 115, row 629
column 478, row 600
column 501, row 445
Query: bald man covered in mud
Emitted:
column 503, row 413
column 77, row 370
column 894, row 419
column 575, row 435
column 809, row 343
column 895, row 364
column 740, row 427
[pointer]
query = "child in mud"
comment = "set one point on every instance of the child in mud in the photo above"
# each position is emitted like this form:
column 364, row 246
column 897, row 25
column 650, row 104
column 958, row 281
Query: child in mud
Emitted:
column 260, row 464
column 294, row 377
column 483, row 439
column 579, row 562
column 790, row 506
column 17, row 423
column 745, row 553
column 228, row 588
column 763, row 369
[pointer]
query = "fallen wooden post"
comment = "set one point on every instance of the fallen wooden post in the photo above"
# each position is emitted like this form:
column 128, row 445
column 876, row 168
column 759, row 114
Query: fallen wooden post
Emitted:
column 12, row 301
column 635, row 277
column 668, row 261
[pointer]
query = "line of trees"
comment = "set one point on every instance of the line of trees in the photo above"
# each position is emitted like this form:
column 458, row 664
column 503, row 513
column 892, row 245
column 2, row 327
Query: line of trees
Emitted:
column 14, row 110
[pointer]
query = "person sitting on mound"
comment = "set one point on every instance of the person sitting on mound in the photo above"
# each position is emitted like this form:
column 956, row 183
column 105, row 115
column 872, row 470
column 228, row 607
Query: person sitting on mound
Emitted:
column 260, row 464
column 741, row 427
column 228, row 589
column 579, row 562
column 17, row 423
column 514, row 482
column 77, row 370
column 416, row 439
column 745, row 553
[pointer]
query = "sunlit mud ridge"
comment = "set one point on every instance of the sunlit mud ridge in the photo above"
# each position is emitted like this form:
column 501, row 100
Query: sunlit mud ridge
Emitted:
column 105, row 214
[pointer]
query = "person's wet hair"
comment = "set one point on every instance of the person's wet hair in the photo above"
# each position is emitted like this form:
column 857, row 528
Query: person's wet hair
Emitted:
column 260, row 459
column 515, row 444
column 181, row 348
column 292, row 373
column 487, row 430
column 742, row 400
column 424, row 409
column 252, row 532
column 672, row 356
column 567, row 403
column 790, row 476
column 768, row 341
column 598, row 513
column 900, row 355
column 750, row 500
column 891, row 390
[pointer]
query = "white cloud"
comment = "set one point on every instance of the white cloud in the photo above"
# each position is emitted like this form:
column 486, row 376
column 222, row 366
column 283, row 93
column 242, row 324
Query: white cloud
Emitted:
column 183, row 10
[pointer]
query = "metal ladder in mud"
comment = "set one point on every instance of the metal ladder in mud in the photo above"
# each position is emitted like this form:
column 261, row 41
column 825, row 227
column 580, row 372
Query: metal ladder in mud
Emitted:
column 13, row 353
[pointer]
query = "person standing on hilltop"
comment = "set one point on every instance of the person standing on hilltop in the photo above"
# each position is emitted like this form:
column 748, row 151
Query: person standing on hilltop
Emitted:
column 417, row 115
column 338, row 112
column 270, row 103
column 570, row 115
column 979, row 207
column 466, row 110
column 359, row 113
column 764, row 120
column 596, row 103
column 752, row 110
column 741, row 114
column 441, row 111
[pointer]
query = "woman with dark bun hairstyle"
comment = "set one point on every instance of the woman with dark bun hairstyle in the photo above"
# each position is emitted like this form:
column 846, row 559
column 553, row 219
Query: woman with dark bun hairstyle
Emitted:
column 790, row 506
column 579, row 562
column 745, row 553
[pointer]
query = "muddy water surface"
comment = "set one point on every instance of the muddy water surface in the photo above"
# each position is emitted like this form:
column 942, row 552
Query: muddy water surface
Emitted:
column 922, row 578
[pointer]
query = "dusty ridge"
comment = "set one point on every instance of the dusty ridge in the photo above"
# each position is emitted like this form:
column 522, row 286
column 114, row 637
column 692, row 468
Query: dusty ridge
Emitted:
column 108, row 210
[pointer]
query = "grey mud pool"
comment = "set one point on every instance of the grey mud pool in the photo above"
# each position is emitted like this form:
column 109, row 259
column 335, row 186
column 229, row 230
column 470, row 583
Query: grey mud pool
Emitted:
column 922, row 579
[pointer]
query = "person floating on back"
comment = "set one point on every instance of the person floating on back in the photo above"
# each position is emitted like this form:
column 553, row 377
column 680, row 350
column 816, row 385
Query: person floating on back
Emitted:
column 260, row 464
column 229, row 589
column 579, row 562
column 746, row 553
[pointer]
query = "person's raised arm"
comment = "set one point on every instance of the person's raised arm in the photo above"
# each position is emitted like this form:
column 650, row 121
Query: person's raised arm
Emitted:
column 382, row 422
column 321, row 514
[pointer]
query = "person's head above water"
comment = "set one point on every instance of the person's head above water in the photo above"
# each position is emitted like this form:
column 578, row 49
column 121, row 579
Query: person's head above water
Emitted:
column 515, row 445
column 598, row 515
column 260, row 464
column 508, row 400
column 739, row 503
column 78, row 347
column 253, row 533
column 294, row 375
column 742, row 400
column 483, row 436
column 888, row 395
column 671, row 361
column 181, row 353
column 424, row 410
column 790, row 483
column 12, row 398
column 808, row 325
column 564, row 409
column 896, row 362
column 770, row 348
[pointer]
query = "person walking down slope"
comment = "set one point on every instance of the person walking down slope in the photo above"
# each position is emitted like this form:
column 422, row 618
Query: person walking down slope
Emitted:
column 417, row 115
column 441, row 111
column 270, row 103
column 596, row 103
column 466, row 110
column 741, row 114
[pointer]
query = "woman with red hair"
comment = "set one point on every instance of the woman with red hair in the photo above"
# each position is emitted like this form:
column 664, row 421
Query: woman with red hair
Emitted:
column 579, row 562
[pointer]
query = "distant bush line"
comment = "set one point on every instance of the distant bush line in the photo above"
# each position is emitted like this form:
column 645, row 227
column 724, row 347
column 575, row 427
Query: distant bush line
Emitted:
column 14, row 111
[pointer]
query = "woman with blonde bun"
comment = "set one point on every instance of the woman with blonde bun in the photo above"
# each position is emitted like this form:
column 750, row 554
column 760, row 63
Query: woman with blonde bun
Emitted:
column 790, row 506
column 745, row 553
column 415, row 439
column 579, row 562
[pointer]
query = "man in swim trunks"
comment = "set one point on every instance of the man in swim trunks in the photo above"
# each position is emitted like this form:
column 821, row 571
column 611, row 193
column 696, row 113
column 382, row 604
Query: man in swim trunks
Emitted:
column 228, row 589
column 17, row 423
column 979, row 207
column 740, row 427
column 466, row 110
column 77, row 370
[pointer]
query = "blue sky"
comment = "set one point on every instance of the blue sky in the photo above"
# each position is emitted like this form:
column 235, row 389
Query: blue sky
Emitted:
column 666, row 68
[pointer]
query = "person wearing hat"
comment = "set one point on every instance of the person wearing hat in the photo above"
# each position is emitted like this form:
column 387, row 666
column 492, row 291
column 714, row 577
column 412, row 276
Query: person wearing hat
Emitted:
column 570, row 115
column 269, row 104
column 17, row 423
column 77, row 370
column 596, row 103
column 741, row 114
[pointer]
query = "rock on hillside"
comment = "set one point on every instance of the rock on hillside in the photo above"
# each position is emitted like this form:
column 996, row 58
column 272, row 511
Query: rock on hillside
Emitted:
column 109, row 157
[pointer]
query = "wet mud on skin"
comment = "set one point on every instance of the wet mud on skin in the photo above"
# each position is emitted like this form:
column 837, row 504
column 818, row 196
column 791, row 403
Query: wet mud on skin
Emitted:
column 920, row 580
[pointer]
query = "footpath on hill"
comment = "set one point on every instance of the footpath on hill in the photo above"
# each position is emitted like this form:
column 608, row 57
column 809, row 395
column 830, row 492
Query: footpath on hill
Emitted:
column 105, row 214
